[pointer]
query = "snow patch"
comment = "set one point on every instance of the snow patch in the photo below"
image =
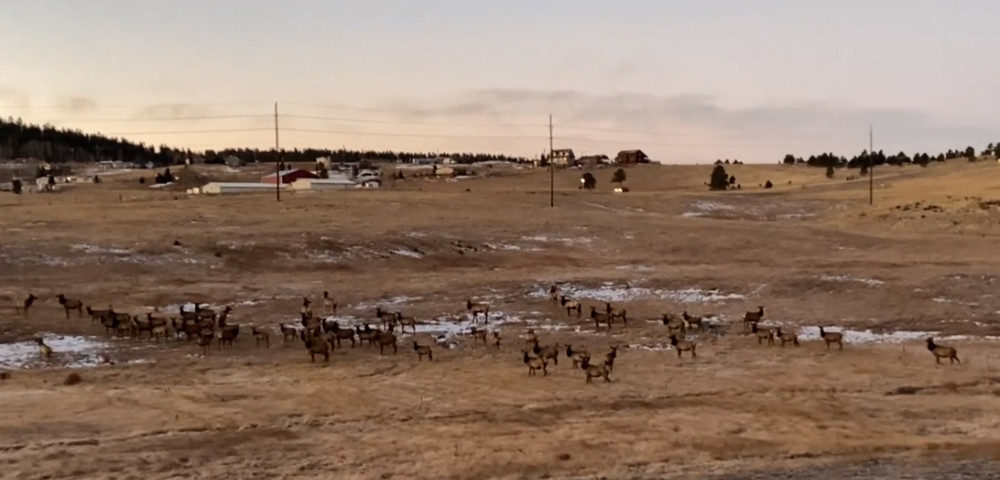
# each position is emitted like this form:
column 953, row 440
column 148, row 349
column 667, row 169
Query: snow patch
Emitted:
column 408, row 253
column 612, row 292
column 67, row 351
column 871, row 282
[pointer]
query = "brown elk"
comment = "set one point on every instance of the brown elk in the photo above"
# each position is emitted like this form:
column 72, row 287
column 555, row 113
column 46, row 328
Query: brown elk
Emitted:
column 70, row 304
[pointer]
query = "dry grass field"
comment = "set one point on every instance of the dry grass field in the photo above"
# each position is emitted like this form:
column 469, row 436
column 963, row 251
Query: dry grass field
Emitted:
column 810, row 250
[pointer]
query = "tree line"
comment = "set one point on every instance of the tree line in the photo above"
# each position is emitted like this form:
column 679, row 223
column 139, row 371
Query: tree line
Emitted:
column 55, row 145
column 866, row 159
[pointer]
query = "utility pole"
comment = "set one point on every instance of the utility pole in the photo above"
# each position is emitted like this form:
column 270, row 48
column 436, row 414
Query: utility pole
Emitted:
column 277, row 157
column 871, row 166
column 552, row 169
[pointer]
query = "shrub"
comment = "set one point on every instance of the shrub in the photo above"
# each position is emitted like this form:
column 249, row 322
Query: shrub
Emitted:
column 73, row 379
column 830, row 172
column 16, row 186
column 619, row 176
column 589, row 182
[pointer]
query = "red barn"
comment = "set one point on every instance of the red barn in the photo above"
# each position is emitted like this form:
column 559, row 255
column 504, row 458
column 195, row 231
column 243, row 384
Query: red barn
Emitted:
column 288, row 176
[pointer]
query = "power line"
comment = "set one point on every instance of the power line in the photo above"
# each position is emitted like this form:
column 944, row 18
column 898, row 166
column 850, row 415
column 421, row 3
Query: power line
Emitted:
column 161, row 119
column 185, row 132
column 398, row 122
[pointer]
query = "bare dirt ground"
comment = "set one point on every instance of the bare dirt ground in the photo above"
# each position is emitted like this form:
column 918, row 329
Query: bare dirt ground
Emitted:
column 810, row 250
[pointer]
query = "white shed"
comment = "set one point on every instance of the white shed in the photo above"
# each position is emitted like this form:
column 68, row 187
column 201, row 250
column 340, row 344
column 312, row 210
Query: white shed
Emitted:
column 216, row 188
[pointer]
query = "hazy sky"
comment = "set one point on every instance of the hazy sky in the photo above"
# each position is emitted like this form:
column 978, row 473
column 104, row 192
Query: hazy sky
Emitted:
column 685, row 81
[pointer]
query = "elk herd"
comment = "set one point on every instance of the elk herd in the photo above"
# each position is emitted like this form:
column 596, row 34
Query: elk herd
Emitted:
column 320, row 335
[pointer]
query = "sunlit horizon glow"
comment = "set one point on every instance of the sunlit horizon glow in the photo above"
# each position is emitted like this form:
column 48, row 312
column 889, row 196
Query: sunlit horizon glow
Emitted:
column 686, row 82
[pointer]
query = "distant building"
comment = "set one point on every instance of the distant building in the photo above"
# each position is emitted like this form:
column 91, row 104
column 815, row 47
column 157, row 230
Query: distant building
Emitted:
column 591, row 161
column 337, row 182
column 631, row 157
column 287, row 176
column 232, row 161
column 218, row 188
column 563, row 157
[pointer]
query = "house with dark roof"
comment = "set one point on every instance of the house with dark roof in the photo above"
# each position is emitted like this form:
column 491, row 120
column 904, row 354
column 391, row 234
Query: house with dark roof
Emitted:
column 631, row 157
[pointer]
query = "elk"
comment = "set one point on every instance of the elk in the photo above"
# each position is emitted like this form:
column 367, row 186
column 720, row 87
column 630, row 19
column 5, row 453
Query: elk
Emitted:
column 288, row 332
column 496, row 340
column 599, row 318
column 329, row 305
column 205, row 341
column 616, row 313
column 753, row 317
column 227, row 335
column 260, row 336
column 765, row 334
column 388, row 318
column 70, row 304
column 477, row 308
column 315, row 345
column 576, row 355
column 832, row 337
column 534, row 364
column 693, row 321
column 478, row 335
column 385, row 339
column 24, row 305
column 366, row 335
column 941, row 351
column 342, row 333
column 423, row 350
column 594, row 371
column 554, row 293
column 683, row 346
column 99, row 315
column 406, row 320
column 787, row 337
column 571, row 305
column 547, row 352
column 44, row 350
column 609, row 358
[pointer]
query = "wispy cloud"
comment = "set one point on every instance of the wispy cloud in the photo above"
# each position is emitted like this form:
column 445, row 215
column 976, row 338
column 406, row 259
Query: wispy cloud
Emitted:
column 176, row 110
column 76, row 104
column 14, row 97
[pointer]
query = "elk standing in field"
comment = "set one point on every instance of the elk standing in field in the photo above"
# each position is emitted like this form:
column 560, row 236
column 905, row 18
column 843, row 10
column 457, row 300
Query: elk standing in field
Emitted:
column 478, row 335
column 693, row 321
column 99, row 315
column 752, row 318
column 534, row 364
column 477, row 308
column 832, row 337
column 941, row 351
column 609, row 358
column 22, row 306
column 388, row 318
column 260, row 336
column 594, row 371
column 329, row 304
column 683, row 346
column 765, row 334
column 599, row 318
column 787, row 337
column 576, row 354
column 406, row 321
column 385, row 339
column 315, row 345
column 616, row 313
column 70, row 304
column 496, row 340
column 554, row 293
column 570, row 305
column 547, row 352
column 423, row 350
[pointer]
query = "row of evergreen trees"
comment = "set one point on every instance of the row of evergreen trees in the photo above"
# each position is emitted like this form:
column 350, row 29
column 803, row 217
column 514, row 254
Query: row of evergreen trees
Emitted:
column 54, row 145
column 866, row 159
